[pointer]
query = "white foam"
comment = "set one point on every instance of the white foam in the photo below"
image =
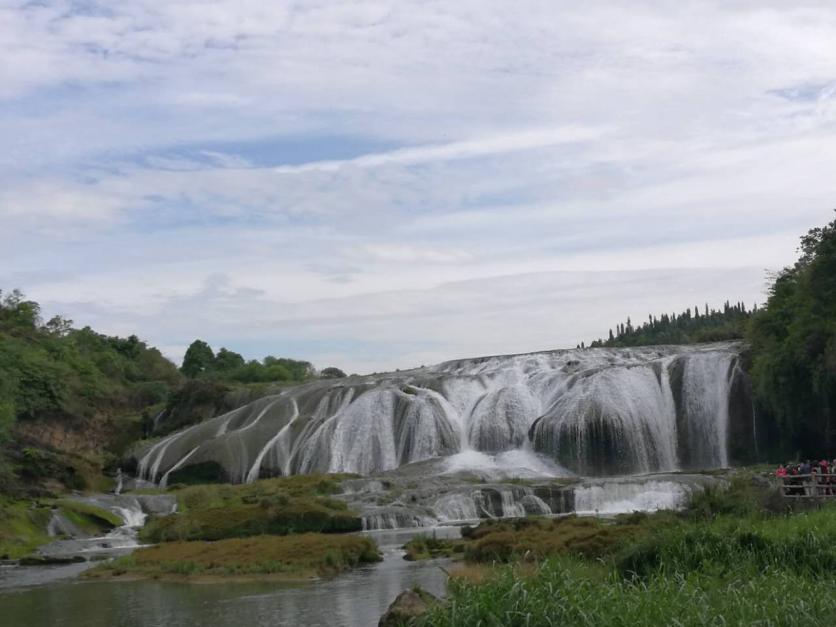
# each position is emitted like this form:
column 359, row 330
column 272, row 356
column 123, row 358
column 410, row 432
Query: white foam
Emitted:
column 516, row 463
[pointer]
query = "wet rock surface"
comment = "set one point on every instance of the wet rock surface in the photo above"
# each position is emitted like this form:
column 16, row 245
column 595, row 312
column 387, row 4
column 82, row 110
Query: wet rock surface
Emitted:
column 408, row 606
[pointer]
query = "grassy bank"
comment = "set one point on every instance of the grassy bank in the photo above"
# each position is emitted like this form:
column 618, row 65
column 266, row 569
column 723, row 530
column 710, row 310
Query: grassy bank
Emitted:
column 732, row 558
column 279, row 506
column 285, row 557
column 570, row 591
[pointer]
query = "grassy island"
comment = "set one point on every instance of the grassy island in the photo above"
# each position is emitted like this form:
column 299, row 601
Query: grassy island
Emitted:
column 294, row 558
column 280, row 506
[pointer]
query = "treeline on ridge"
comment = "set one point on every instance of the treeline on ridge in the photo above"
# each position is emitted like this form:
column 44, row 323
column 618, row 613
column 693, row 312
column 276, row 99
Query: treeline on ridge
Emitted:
column 688, row 327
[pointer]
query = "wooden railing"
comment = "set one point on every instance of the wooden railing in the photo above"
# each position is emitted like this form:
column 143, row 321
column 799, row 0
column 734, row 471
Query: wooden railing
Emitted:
column 812, row 486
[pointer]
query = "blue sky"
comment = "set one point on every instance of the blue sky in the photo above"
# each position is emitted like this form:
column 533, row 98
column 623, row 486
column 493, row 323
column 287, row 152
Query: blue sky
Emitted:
column 384, row 184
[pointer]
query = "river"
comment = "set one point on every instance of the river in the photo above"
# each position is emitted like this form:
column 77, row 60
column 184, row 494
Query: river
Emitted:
column 32, row 597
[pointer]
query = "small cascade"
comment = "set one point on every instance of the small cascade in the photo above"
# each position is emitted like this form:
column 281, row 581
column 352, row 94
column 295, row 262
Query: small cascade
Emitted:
column 490, row 502
column 457, row 507
column 133, row 510
column 615, row 497
column 395, row 518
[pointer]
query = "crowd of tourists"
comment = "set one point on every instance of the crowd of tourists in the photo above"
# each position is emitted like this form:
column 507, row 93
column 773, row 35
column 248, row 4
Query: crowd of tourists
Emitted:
column 808, row 478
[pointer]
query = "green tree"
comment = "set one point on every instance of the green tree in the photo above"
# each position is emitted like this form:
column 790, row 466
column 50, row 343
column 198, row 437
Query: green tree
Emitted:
column 794, row 349
column 332, row 373
column 198, row 359
column 227, row 360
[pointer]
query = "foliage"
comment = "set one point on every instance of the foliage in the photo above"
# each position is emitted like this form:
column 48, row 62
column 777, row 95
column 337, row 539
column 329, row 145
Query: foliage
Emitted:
column 689, row 327
column 199, row 358
column 794, row 350
column 332, row 373
column 754, row 568
column 271, row 506
column 200, row 361
column 567, row 591
column 423, row 547
column 54, row 372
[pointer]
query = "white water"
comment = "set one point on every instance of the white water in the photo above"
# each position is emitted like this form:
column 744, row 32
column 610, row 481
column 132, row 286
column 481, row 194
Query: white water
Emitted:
column 588, row 412
column 624, row 497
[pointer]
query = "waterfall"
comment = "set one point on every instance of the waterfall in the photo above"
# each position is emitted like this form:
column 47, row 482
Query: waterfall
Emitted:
column 620, row 419
column 594, row 412
column 706, row 381
column 624, row 497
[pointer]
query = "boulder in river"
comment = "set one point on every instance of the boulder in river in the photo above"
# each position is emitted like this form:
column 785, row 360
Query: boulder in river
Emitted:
column 409, row 605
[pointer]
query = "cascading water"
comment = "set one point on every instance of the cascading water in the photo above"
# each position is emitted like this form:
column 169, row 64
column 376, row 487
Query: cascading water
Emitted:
column 595, row 412
column 706, row 381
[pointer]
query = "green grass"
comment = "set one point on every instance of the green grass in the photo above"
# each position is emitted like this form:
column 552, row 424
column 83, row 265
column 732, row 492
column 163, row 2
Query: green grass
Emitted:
column 568, row 592
column 22, row 528
column 727, row 560
column 293, row 557
column 89, row 516
column 428, row 547
column 279, row 506
column 23, row 523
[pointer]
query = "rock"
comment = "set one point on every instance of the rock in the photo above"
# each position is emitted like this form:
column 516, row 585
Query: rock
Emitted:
column 409, row 605
column 50, row 560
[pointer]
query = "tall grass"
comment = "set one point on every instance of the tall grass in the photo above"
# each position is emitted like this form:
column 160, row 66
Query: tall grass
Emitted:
column 727, row 569
column 566, row 592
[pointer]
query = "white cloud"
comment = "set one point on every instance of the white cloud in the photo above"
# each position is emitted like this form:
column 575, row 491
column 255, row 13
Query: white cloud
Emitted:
column 149, row 145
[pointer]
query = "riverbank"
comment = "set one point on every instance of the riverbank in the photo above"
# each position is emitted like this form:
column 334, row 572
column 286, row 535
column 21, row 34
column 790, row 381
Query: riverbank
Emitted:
column 732, row 557
column 355, row 597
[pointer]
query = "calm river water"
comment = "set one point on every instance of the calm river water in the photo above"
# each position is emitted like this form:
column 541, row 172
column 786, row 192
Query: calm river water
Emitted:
column 29, row 599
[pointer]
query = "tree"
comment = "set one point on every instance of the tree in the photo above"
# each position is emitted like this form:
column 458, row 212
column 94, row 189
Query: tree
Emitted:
column 794, row 349
column 227, row 360
column 198, row 359
column 59, row 326
column 332, row 373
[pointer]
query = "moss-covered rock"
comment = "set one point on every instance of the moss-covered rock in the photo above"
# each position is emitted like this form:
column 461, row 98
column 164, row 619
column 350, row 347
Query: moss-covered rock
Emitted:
column 409, row 606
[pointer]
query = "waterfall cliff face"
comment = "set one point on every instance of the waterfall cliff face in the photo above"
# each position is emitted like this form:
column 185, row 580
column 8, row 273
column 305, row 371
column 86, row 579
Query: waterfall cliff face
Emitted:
column 594, row 412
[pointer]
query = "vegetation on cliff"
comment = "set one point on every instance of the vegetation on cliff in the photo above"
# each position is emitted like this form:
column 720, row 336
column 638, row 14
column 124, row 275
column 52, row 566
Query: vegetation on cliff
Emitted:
column 794, row 350
column 70, row 399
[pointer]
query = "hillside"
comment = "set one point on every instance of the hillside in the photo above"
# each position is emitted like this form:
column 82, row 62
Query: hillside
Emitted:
column 72, row 400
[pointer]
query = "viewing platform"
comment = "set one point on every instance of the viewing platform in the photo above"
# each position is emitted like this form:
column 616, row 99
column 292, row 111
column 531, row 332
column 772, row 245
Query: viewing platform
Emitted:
column 811, row 486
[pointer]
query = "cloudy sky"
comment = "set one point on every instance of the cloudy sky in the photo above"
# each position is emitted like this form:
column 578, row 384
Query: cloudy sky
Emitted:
column 377, row 184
